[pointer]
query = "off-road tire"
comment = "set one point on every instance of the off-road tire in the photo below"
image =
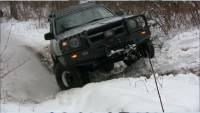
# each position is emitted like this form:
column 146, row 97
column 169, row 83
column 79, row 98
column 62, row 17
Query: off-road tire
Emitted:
column 107, row 68
column 146, row 49
column 74, row 79
column 129, row 61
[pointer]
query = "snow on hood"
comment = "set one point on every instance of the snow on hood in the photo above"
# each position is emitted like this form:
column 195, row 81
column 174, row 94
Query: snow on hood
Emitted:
column 89, row 26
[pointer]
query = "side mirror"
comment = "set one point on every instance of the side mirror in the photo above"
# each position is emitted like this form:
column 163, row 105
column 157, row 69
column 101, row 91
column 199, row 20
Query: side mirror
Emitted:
column 48, row 36
column 119, row 13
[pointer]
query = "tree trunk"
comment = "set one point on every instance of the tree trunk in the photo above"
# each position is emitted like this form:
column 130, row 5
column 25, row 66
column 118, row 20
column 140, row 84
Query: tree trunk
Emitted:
column 13, row 10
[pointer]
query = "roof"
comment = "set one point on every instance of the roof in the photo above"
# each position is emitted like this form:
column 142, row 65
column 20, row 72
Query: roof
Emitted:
column 74, row 8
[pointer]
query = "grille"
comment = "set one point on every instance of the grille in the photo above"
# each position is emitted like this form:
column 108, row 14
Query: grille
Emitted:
column 98, row 33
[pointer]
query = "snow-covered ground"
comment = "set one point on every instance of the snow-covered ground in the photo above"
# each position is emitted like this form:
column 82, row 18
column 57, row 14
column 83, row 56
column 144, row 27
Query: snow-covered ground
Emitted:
column 180, row 53
column 23, row 76
column 179, row 93
column 28, row 86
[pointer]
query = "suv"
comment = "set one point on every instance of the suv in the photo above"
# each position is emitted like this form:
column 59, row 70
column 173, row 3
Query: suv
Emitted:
column 88, row 37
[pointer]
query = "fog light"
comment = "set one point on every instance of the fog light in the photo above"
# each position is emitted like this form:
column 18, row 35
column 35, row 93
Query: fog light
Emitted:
column 74, row 56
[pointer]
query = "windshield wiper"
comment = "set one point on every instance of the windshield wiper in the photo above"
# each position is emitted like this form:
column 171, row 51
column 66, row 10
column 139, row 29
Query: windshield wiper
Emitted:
column 68, row 28
column 97, row 19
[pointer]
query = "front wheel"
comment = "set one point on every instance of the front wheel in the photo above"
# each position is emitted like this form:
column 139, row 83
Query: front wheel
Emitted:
column 69, row 78
column 107, row 67
column 146, row 49
column 130, row 60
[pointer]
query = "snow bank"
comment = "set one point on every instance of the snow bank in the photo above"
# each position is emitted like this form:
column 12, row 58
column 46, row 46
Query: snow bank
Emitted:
column 173, row 54
column 23, row 77
column 180, row 54
column 180, row 93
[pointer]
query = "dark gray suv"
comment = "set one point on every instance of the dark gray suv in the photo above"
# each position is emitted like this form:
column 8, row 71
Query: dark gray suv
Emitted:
column 88, row 37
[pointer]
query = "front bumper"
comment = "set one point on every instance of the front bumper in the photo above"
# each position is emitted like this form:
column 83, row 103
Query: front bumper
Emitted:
column 94, row 57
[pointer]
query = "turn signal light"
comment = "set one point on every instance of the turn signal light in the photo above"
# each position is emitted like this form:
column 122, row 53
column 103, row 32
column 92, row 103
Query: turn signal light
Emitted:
column 142, row 34
column 74, row 56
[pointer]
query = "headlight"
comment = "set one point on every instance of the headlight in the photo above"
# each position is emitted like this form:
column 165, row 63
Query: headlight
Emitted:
column 132, row 23
column 74, row 42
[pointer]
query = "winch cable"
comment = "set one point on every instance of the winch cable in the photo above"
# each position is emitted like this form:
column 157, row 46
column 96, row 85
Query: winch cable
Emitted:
column 155, row 80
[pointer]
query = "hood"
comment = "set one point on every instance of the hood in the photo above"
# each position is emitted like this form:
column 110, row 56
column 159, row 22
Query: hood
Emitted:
column 89, row 26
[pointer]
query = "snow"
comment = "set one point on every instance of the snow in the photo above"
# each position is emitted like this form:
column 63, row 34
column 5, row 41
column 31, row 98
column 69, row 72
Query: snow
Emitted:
column 30, row 80
column 180, row 53
column 32, row 87
column 179, row 93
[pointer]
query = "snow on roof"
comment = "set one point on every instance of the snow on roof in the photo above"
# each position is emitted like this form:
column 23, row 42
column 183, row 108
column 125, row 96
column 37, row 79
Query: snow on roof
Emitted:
column 75, row 8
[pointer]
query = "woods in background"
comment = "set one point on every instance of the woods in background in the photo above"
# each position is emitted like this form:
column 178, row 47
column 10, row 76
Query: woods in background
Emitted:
column 167, row 14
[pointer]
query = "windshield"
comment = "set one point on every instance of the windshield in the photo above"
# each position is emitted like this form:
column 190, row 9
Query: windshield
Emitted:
column 79, row 18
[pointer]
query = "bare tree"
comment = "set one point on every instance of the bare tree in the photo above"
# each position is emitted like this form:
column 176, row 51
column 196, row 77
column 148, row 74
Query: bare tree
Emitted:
column 13, row 9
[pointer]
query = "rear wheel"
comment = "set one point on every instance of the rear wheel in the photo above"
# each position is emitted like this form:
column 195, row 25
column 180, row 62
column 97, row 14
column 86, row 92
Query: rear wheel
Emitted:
column 70, row 78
